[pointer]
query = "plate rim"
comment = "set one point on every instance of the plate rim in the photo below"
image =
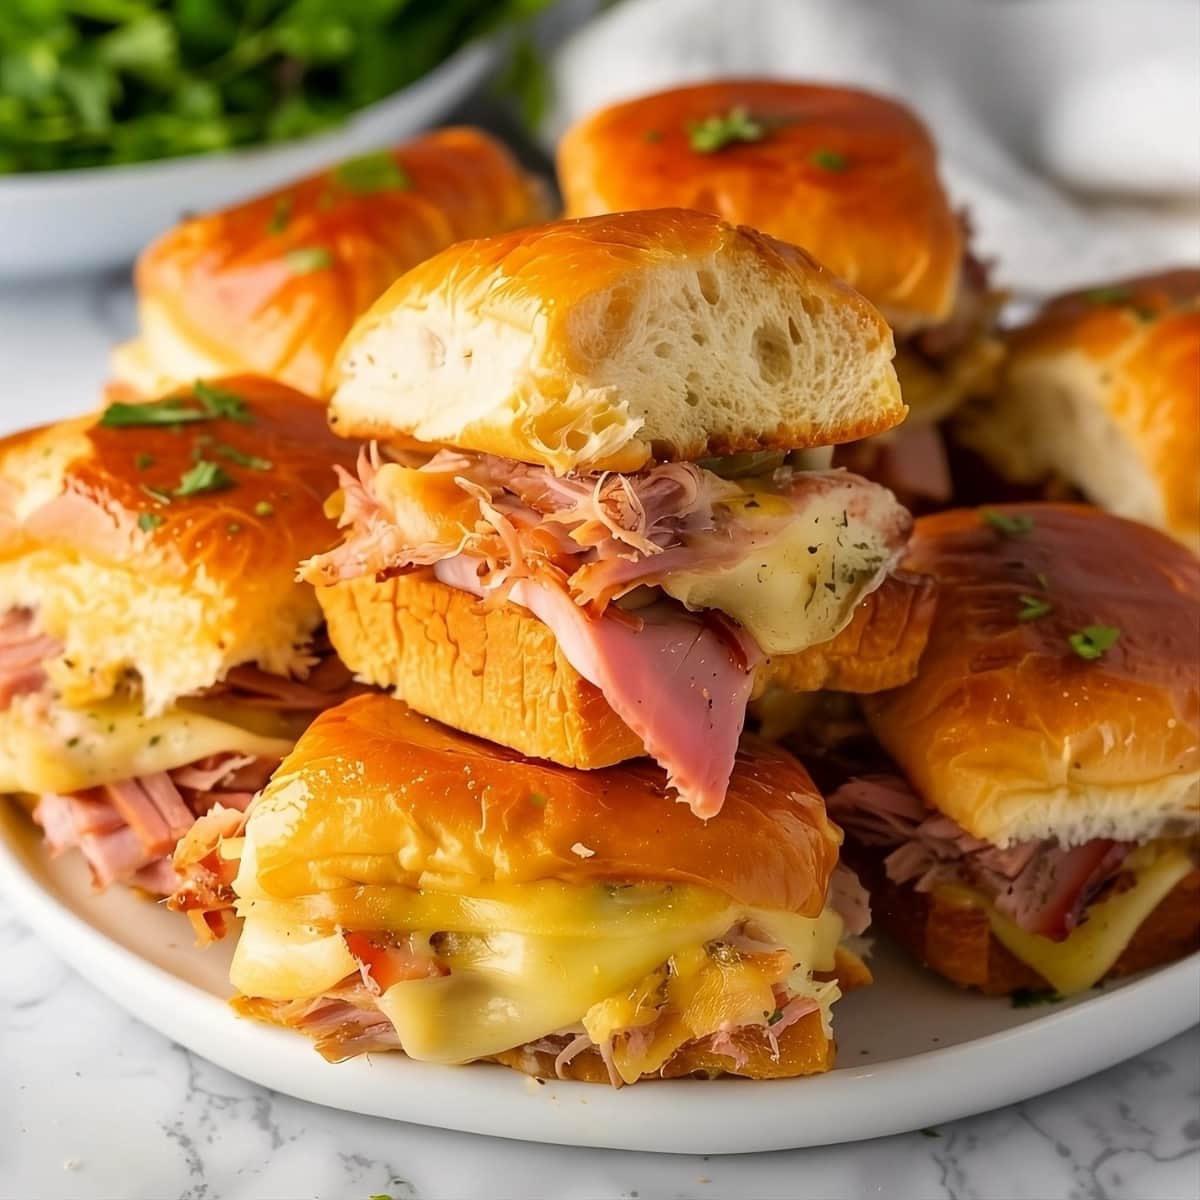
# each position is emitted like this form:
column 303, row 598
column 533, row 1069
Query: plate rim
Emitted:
column 909, row 1092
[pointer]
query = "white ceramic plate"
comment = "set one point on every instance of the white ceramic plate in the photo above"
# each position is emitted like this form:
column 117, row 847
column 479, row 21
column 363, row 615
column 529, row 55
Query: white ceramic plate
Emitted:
column 56, row 222
column 913, row 1052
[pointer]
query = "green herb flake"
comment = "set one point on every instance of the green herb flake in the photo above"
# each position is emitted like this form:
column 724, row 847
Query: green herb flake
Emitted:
column 264, row 508
column 242, row 459
column 1108, row 295
column 537, row 799
column 716, row 132
column 144, row 462
column 1093, row 641
column 1033, row 608
column 653, row 136
column 72, row 743
column 307, row 259
column 155, row 739
column 148, row 521
column 173, row 411
column 1042, row 581
column 1016, row 525
column 218, row 402
column 1032, row 997
column 369, row 173
column 775, row 1017
column 281, row 215
column 205, row 476
column 830, row 160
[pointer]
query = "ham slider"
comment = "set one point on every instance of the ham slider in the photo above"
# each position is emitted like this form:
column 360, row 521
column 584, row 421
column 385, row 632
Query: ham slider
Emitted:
column 157, row 657
column 573, row 573
column 852, row 178
column 1101, row 392
column 271, row 286
column 1039, row 828
column 407, row 887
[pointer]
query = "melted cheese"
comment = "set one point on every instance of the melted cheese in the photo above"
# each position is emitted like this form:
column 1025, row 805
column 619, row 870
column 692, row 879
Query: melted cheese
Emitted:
column 524, row 961
column 47, row 747
column 802, row 586
column 1085, row 956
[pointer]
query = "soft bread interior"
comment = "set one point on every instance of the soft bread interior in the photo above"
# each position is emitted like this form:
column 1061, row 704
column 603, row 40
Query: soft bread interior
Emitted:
column 735, row 344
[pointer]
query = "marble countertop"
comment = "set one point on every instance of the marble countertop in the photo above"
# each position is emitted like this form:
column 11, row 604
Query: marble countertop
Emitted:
column 95, row 1105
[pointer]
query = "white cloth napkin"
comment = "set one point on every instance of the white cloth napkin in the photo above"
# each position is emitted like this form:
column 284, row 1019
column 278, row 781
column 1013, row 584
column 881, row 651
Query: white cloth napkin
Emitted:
column 1069, row 129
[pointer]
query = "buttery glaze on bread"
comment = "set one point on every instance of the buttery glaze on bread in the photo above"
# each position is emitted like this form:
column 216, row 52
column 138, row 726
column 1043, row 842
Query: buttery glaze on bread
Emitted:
column 178, row 588
column 485, row 814
column 499, row 673
column 603, row 343
column 272, row 286
column 956, row 940
column 1006, row 728
column 850, row 176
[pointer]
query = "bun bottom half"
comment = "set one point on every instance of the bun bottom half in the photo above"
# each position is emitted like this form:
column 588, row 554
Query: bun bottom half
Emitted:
column 956, row 941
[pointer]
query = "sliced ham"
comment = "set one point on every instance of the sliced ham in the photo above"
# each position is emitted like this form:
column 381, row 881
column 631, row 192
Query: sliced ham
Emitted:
column 23, row 651
column 680, row 682
column 850, row 900
column 1041, row 886
column 153, row 808
column 328, row 683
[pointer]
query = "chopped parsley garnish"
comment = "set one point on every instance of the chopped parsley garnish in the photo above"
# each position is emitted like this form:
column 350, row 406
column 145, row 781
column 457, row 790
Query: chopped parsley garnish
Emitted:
column 1093, row 641
column 775, row 1017
column 242, row 459
column 831, row 160
column 368, row 173
column 264, row 508
column 205, row 476
column 148, row 521
column 716, row 132
column 537, row 799
column 144, row 462
column 307, row 259
column 1007, row 526
column 72, row 742
column 1033, row 608
column 1031, row 997
column 281, row 215
column 652, row 136
column 220, row 403
column 174, row 411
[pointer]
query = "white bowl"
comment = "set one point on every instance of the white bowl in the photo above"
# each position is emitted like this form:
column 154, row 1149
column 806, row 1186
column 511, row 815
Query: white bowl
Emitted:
column 59, row 222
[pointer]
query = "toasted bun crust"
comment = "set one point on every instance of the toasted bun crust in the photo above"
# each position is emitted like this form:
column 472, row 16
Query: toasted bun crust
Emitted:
column 499, row 673
column 1101, row 388
column 1009, row 731
column 418, row 800
column 273, row 285
column 603, row 343
column 177, row 590
column 849, row 176
column 956, row 941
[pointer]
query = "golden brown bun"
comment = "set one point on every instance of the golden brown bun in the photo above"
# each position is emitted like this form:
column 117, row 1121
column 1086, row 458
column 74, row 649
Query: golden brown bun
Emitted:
column 418, row 800
column 956, row 941
column 599, row 344
column 875, row 213
column 500, row 674
column 179, row 589
column 1102, row 389
column 1009, row 731
column 273, row 285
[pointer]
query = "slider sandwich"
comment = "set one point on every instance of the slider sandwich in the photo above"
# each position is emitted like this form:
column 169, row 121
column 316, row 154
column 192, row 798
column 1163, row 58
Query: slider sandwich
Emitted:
column 1101, row 393
column 1038, row 829
column 157, row 657
column 271, row 286
column 550, row 556
column 408, row 887
column 852, row 178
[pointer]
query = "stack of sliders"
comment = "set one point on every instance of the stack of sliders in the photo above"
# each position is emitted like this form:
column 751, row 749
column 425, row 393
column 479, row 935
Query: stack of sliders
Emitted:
column 1100, row 392
column 544, row 554
column 1036, row 829
column 159, row 658
column 850, row 176
column 271, row 287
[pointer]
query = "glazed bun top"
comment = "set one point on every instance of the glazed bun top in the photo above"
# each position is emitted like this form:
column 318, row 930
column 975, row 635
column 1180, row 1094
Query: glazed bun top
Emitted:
column 1059, row 693
column 375, row 794
column 849, row 176
column 608, row 342
column 272, row 286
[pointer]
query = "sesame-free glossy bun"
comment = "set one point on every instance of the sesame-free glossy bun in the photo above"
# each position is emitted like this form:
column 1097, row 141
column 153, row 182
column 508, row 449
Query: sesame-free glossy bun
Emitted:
column 849, row 176
column 374, row 793
column 272, row 286
column 1102, row 389
column 175, row 587
column 608, row 342
column 1006, row 728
